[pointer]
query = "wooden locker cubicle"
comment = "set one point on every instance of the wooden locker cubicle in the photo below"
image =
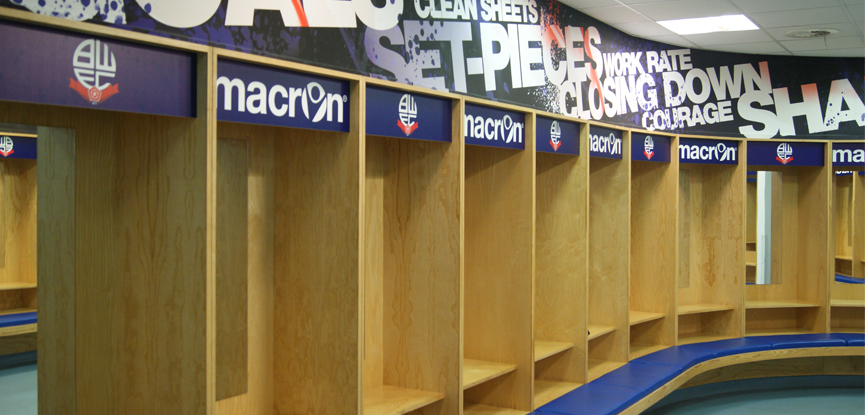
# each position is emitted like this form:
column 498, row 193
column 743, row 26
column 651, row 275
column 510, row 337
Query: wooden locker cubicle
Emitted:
column 123, row 271
column 609, row 317
column 18, row 234
column 300, row 165
column 653, row 261
column 847, row 293
column 798, row 303
column 561, row 257
column 411, row 312
column 711, row 274
column 498, row 347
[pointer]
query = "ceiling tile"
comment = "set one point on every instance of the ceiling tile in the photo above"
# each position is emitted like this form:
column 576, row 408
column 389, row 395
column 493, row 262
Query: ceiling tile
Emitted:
column 800, row 17
column 857, row 11
column 839, row 53
column 818, row 44
column 643, row 29
column 760, row 6
column 754, row 48
column 674, row 40
column 726, row 38
column 582, row 4
column 670, row 10
column 845, row 29
column 615, row 14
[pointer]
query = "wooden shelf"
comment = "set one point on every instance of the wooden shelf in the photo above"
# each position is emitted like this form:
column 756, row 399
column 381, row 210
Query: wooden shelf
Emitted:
column 390, row 400
column 754, row 304
column 844, row 257
column 598, row 368
column 596, row 331
column 640, row 350
column 776, row 332
column 548, row 390
column 690, row 338
column 476, row 372
column 8, row 286
column 545, row 349
column 702, row 308
column 17, row 311
column 474, row 409
column 639, row 317
column 847, row 303
column 16, row 330
column 858, row 330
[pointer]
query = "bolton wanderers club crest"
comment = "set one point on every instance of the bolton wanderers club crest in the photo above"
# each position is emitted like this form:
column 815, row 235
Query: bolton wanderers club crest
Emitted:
column 6, row 145
column 555, row 135
column 784, row 153
column 648, row 146
column 94, row 66
column 407, row 114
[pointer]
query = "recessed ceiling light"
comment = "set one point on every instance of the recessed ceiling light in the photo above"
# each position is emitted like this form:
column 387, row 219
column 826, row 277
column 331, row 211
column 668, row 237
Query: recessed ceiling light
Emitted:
column 729, row 23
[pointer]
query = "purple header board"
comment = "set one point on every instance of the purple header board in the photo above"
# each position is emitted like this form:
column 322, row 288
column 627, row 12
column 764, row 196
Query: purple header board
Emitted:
column 399, row 114
column 773, row 153
column 604, row 142
column 46, row 66
column 699, row 151
column 17, row 147
column 848, row 154
column 262, row 95
column 494, row 127
column 557, row 136
column 646, row 147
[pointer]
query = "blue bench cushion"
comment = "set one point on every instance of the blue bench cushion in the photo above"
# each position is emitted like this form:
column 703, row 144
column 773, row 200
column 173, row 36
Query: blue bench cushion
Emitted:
column 797, row 341
column 848, row 280
column 852, row 339
column 681, row 357
column 641, row 376
column 593, row 399
column 729, row 347
column 19, row 319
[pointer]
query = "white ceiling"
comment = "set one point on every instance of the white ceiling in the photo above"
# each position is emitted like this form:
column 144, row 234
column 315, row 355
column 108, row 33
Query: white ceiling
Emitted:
column 773, row 17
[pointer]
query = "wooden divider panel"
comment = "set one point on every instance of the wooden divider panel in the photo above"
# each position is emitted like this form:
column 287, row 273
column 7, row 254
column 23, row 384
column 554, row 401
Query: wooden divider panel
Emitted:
column 56, row 270
column 232, row 249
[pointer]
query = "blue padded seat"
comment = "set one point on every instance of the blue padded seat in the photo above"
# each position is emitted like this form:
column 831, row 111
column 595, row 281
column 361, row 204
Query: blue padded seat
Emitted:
column 730, row 347
column 848, row 280
column 593, row 399
column 18, row 319
column 852, row 339
column 797, row 341
column 681, row 357
column 641, row 376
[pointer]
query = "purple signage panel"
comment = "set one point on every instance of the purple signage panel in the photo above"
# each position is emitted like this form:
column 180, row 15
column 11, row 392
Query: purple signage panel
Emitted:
column 700, row 151
column 774, row 153
column 848, row 154
column 46, row 66
column 17, row 147
column 604, row 142
column 262, row 95
column 494, row 127
column 399, row 114
column 557, row 136
column 646, row 147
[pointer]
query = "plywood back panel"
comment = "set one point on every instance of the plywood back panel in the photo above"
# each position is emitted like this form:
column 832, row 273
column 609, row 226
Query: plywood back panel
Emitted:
column 654, row 216
column 499, row 187
column 232, row 200
column 19, row 206
column 609, row 240
column 842, row 193
column 316, row 272
column 413, row 297
column 56, row 270
column 561, row 261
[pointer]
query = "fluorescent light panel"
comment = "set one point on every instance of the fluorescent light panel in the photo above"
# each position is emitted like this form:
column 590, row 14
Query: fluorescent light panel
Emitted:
column 729, row 23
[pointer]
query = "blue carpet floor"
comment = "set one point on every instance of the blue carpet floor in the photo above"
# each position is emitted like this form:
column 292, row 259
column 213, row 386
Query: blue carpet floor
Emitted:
column 18, row 390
